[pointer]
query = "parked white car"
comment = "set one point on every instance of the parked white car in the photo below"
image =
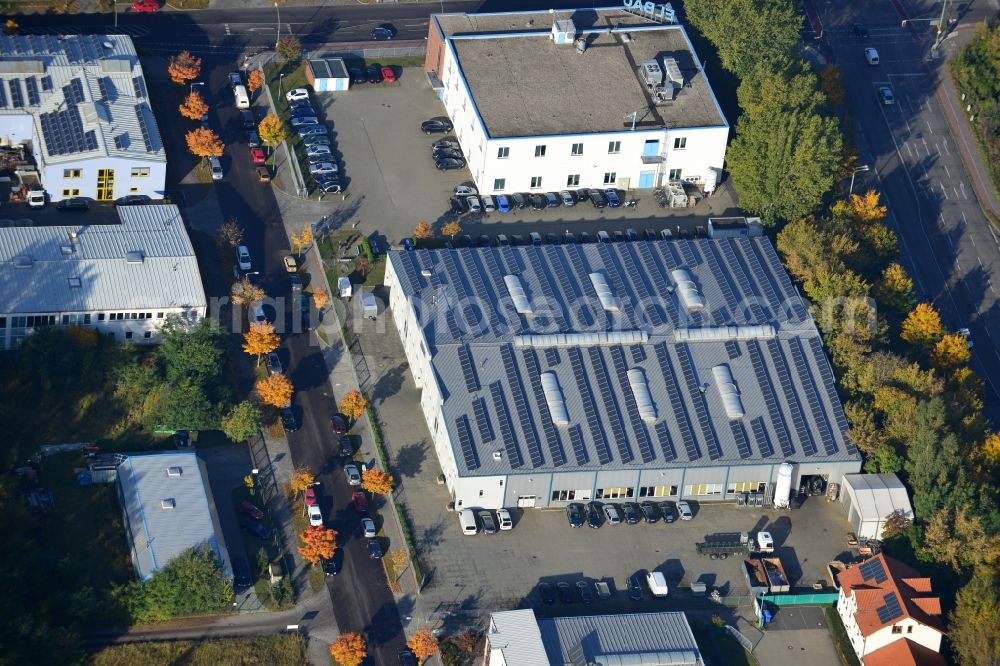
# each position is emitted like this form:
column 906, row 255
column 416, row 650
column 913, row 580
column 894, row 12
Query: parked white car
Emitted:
column 323, row 167
column 315, row 516
column 353, row 475
column 503, row 519
column 243, row 256
column 312, row 151
column 296, row 93
column 368, row 525
column 684, row 509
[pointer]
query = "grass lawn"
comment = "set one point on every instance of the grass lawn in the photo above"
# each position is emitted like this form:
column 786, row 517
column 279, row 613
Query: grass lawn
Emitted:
column 398, row 61
column 294, row 77
column 277, row 650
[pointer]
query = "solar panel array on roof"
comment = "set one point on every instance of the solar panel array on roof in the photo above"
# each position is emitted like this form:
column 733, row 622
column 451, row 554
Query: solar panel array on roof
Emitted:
column 792, row 398
column 760, row 437
column 635, row 275
column 736, row 268
column 826, row 374
column 638, row 353
column 465, row 441
column 873, row 570
column 891, row 610
column 541, row 408
column 3, row 98
column 545, row 281
column 46, row 83
column 666, row 442
column 673, row 392
column 785, row 282
column 31, row 84
column 468, row 370
column 700, row 409
column 552, row 356
column 139, row 87
column 660, row 283
column 479, row 287
column 579, row 448
column 73, row 92
column 521, row 406
column 589, row 314
column 122, row 141
column 589, row 406
column 732, row 349
column 812, row 397
column 615, row 280
column 506, row 427
column 740, row 435
column 16, row 99
column 483, row 420
column 610, row 403
column 64, row 134
column 140, row 114
column 108, row 91
column 770, row 400
column 638, row 427
column 732, row 303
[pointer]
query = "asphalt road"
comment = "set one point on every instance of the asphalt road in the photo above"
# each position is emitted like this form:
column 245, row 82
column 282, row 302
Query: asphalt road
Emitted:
column 947, row 244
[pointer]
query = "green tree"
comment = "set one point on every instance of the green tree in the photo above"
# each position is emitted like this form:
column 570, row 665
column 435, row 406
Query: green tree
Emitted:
column 746, row 32
column 288, row 49
column 934, row 462
column 192, row 582
column 974, row 630
column 242, row 421
column 188, row 408
column 192, row 352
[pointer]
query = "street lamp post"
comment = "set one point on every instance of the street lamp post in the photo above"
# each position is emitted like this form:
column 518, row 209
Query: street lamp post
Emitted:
column 114, row 3
column 863, row 167
column 193, row 84
column 281, row 78
column 278, row 38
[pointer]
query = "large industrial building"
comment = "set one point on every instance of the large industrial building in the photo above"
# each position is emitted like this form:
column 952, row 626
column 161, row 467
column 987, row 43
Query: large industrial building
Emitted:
column 79, row 105
column 654, row 369
column 123, row 279
column 583, row 98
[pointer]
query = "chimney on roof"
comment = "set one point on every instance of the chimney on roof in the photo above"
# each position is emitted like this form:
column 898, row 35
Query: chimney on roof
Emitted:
column 72, row 238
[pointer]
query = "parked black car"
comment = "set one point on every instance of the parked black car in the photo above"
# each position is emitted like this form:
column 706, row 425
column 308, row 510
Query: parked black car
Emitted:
column 374, row 74
column 668, row 511
column 860, row 30
column 593, row 515
column 634, row 588
column 583, row 589
column 436, row 126
column 288, row 420
column 357, row 76
column 547, row 593
column 458, row 205
column 519, row 200
column 631, row 512
column 132, row 200
column 574, row 514
column 597, row 199
column 565, row 592
column 449, row 163
column 254, row 527
column 443, row 153
column 650, row 512
column 407, row 658
column 346, row 447
column 537, row 201
column 73, row 205
column 241, row 573
column 331, row 567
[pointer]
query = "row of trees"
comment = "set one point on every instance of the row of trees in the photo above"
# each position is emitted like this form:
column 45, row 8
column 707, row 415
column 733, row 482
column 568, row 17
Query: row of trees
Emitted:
column 976, row 72
column 350, row 648
column 914, row 405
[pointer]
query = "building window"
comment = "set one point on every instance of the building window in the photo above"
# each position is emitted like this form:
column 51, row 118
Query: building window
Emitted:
column 503, row 153
column 610, row 177
column 72, row 173
column 128, row 335
column 71, row 193
column 909, row 629
column 159, row 315
column 747, row 487
column 897, row 630
column 573, row 180
column 577, row 149
column 499, row 183
column 140, row 172
column 615, row 493
column 133, row 189
column 539, row 151
column 657, row 491
column 3, row 322
column 105, row 184
column 675, row 174
column 703, row 489
column 536, row 182
column 100, row 316
column 614, row 147
column 680, row 143
column 563, row 495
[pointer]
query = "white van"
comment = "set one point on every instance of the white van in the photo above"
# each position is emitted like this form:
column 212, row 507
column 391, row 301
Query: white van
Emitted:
column 242, row 99
column 657, row 584
column 467, row 518
column 871, row 55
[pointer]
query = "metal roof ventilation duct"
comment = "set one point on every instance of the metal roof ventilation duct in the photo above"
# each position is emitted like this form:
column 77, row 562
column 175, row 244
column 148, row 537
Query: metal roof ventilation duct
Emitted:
column 725, row 333
column 690, row 296
column 517, row 294
column 640, row 391
column 582, row 339
column 603, row 289
column 554, row 399
column 728, row 391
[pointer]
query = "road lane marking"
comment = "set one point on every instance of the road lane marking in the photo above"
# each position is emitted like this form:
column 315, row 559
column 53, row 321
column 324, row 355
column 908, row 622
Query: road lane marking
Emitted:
column 946, row 169
column 925, row 146
column 955, row 190
column 929, row 128
column 950, row 244
column 946, row 149
column 908, row 149
column 980, row 262
column 973, row 239
column 964, row 195
column 943, row 190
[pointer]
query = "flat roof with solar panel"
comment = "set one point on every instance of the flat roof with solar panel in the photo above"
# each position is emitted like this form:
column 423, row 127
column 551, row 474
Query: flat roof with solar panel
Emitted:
column 83, row 93
column 565, row 358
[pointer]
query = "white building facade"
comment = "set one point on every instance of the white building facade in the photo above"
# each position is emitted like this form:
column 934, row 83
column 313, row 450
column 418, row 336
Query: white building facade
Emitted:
column 519, row 134
column 124, row 280
column 80, row 107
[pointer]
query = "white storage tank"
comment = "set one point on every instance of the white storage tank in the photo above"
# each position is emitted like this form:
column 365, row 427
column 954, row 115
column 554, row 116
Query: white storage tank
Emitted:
column 783, row 488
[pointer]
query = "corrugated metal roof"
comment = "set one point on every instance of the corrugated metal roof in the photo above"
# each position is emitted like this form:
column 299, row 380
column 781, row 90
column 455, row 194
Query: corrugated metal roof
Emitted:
column 877, row 496
column 664, row 636
column 516, row 634
column 167, row 277
column 488, row 376
column 92, row 74
column 159, row 534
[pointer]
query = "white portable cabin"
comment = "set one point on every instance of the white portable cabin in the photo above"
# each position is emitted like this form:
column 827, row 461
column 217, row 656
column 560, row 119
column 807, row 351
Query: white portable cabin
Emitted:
column 870, row 499
column 344, row 289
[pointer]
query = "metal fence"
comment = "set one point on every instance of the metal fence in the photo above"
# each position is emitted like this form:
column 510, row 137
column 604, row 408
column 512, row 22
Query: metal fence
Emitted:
column 805, row 599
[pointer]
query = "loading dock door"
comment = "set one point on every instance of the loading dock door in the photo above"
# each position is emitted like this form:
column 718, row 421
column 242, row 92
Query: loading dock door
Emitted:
column 527, row 501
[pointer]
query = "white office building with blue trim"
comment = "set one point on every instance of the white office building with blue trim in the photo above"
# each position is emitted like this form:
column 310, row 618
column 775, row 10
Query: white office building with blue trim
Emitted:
column 587, row 98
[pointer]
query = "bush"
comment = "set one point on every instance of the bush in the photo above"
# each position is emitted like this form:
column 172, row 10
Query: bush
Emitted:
column 193, row 582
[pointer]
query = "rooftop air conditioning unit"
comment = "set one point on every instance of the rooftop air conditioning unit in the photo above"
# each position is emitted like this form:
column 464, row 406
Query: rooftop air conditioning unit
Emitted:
column 498, row 455
column 563, row 31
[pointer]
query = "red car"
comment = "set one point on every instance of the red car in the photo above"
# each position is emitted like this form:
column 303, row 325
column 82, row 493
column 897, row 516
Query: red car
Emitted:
column 309, row 494
column 145, row 6
column 360, row 502
column 257, row 156
column 251, row 511
column 388, row 75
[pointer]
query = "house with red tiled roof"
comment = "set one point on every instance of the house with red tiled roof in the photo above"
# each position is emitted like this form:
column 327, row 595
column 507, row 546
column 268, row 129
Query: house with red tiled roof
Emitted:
column 891, row 614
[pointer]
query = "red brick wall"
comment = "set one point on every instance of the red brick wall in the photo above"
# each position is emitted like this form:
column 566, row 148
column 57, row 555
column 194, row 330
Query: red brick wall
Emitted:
column 434, row 58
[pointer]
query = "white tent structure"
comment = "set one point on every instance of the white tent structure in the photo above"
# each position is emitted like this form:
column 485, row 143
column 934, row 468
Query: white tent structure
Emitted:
column 870, row 499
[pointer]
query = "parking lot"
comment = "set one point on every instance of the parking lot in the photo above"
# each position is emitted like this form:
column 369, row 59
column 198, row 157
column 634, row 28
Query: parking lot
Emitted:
column 392, row 182
column 483, row 572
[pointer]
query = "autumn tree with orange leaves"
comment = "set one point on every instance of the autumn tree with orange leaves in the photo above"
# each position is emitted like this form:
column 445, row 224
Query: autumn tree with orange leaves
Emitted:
column 423, row 231
column 301, row 479
column 353, row 405
column 255, row 81
column 271, row 130
column 349, row 649
column 320, row 298
column 245, row 292
column 318, row 543
column 922, row 327
column 194, row 107
column 301, row 239
column 276, row 390
column 376, row 481
column 260, row 339
column 203, row 142
column 951, row 351
column 184, row 67
column 451, row 229
column 423, row 643
column 867, row 207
